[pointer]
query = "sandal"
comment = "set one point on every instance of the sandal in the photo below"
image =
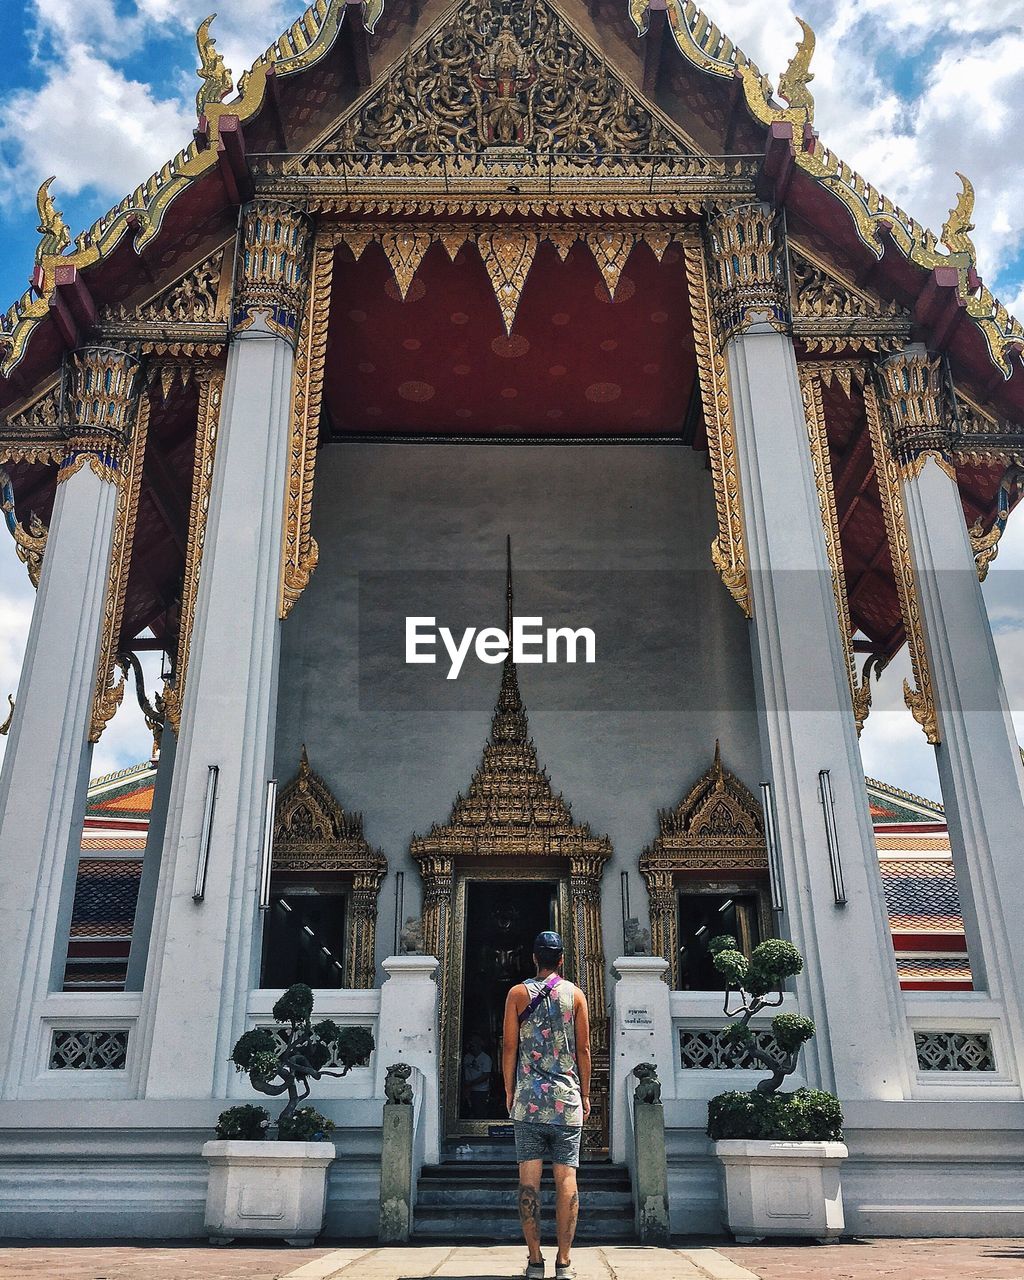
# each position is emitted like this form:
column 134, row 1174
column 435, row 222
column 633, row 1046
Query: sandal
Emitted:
column 534, row 1270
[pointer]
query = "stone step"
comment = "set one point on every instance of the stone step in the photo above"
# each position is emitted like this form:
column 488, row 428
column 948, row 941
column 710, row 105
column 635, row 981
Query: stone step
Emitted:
column 494, row 1223
column 484, row 1195
column 505, row 1171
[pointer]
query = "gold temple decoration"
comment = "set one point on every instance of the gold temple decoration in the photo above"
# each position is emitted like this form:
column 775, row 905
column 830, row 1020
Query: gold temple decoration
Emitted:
column 273, row 267
column 747, row 270
column 32, row 432
column 215, row 79
column 313, row 834
column 958, row 226
column 488, row 85
column 985, row 543
column 508, row 256
column 921, row 698
column 509, row 818
column 728, row 550
column 187, row 317
column 817, row 431
column 831, row 314
column 404, row 250
column 211, row 389
column 914, row 397
column 109, row 690
column 5, row 728
column 300, row 552
column 53, row 230
column 798, row 75
column 30, row 544
column 101, row 386
column 717, row 827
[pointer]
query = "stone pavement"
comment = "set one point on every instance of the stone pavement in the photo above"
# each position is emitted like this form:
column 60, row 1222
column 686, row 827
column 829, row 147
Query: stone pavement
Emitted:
column 868, row 1260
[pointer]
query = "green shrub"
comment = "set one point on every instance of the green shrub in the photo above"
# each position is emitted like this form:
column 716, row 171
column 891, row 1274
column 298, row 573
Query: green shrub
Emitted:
column 792, row 1030
column 808, row 1115
column 246, row 1123
column 305, row 1125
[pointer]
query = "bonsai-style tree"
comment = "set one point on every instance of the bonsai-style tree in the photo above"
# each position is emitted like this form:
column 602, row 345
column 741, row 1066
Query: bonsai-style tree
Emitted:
column 752, row 985
column 286, row 1066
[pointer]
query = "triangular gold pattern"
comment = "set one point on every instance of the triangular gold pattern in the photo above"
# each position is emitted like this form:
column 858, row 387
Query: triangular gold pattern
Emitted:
column 508, row 256
column 610, row 250
column 405, row 250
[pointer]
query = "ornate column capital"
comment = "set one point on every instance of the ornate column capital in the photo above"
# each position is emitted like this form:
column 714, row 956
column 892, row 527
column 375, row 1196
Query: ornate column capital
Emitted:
column 100, row 391
column 917, row 408
column 745, row 249
column 273, row 266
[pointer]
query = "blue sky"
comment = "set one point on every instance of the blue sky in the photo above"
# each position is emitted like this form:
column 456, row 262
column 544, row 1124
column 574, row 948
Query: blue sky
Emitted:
column 101, row 93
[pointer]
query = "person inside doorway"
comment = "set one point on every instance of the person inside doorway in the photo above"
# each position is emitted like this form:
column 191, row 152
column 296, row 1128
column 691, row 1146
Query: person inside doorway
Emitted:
column 546, row 1064
column 476, row 1077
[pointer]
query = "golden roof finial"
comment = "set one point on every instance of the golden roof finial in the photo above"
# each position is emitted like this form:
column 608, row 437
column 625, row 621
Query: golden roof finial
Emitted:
column 216, row 79
column 958, row 226
column 798, row 75
column 52, row 228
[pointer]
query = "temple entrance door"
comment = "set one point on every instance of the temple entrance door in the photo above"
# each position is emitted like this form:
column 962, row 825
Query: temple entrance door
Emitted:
column 491, row 949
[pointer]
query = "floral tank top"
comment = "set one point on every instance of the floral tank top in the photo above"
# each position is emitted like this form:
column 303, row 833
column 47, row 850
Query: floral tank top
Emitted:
column 547, row 1082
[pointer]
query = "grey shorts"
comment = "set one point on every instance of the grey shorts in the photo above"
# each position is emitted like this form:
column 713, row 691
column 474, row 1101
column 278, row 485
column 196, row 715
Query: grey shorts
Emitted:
column 554, row 1142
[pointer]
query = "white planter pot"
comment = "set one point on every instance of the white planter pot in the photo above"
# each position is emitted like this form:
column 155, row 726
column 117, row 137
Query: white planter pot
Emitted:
column 782, row 1188
column 276, row 1189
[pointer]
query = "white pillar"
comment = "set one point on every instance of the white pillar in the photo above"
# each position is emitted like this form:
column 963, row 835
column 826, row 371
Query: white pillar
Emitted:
column 804, row 707
column 142, row 925
column 46, row 768
column 978, row 757
column 407, row 1031
column 204, row 955
column 641, row 1032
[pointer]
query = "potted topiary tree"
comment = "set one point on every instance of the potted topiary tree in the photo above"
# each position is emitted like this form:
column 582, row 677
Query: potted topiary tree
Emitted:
column 279, row 1187
column 780, row 1152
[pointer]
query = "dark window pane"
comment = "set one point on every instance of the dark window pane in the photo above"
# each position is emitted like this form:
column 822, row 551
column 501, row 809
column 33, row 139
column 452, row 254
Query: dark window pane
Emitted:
column 304, row 940
column 703, row 916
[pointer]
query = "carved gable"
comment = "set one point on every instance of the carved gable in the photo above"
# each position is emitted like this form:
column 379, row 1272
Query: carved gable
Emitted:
column 492, row 80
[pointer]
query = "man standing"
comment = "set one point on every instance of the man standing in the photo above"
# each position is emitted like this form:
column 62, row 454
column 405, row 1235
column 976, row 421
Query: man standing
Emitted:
column 476, row 1077
column 546, row 1063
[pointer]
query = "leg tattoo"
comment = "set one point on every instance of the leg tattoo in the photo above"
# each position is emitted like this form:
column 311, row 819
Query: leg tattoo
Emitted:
column 529, row 1207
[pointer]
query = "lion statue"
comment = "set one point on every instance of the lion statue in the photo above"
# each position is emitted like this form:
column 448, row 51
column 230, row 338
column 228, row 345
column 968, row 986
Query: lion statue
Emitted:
column 648, row 1087
column 397, row 1088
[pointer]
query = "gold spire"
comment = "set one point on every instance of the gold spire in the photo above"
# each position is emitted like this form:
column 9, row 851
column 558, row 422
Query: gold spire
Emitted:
column 798, row 75
column 216, row 79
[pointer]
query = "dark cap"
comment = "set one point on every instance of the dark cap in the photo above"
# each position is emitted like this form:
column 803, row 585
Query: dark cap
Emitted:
column 547, row 941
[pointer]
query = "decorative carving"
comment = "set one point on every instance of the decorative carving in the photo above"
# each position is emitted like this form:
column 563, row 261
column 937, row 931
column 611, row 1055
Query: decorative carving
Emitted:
column 110, row 691
column 747, row 261
column 985, row 545
column 404, row 250
column 921, row 699
column 493, row 82
column 817, row 431
column 53, row 230
column 32, row 433
column 216, row 81
column 273, row 267
column 798, row 75
column 30, row 543
column 88, row 1049
column 954, row 1051
column 508, row 256
column 831, row 314
column 195, row 298
column 300, row 552
column 913, row 394
column 5, row 728
column 958, row 226
column 152, row 712
column 100, row 396
column 728, row 550
column 211, row 389
column 637, row 941
column 397, row 1089
column 716, row 827
column 312, row 833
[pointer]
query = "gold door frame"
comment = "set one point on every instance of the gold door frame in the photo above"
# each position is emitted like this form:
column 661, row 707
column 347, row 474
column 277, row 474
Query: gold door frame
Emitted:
column 454, row 1125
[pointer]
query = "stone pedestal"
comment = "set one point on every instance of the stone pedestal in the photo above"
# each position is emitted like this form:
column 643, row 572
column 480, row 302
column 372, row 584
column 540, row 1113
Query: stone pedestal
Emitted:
column 396, row 1175
column 650, row 1173
column 641, row 1032
column 407, row 1032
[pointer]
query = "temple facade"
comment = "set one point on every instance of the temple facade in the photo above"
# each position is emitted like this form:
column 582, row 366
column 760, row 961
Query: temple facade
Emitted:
column 460, row 316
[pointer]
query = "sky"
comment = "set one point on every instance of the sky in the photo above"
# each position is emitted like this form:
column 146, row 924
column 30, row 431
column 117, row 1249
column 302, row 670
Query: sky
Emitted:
column 101, row 93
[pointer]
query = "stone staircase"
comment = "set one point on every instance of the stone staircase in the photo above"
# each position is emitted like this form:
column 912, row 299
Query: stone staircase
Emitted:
column 476, row 1199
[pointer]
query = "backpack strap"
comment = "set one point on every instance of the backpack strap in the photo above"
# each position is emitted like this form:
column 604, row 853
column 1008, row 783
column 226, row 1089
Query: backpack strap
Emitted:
column 542, row 994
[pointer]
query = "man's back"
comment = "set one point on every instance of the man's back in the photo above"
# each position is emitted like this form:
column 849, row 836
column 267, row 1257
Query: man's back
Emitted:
column 547, row 1079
